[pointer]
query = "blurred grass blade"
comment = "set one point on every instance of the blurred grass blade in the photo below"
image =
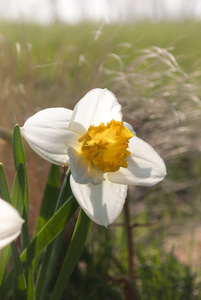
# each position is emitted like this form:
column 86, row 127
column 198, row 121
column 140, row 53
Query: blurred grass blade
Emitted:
column 19, row 289
column 78, row 241
column 6, row 252
column 19, row 158
column 6, row 135
column 51, row 254
column 49, row 199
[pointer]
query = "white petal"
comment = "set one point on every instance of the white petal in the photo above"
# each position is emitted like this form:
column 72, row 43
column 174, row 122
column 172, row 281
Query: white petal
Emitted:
column 97, row 106
column 10, row 223
column 103, row 202
column 48, row 135
column 145, row 166
column 82, row 170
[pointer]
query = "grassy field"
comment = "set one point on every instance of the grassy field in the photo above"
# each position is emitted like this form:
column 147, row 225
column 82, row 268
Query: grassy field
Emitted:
column 154, row 70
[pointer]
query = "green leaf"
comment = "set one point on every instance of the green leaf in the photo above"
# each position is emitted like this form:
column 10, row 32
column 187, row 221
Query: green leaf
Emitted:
column 47, row 266
column 78, row 241
column 51, row 229
column 4, row 260
column 4, row 190
column 17, row 195
column 44, row 237
column 19, row 158
column 20, row 164
column 52, row 252
column 48, row 203
column 20, row 289
column 17, row 200
column 49, row 199
column 6, row 252
column 30, row 284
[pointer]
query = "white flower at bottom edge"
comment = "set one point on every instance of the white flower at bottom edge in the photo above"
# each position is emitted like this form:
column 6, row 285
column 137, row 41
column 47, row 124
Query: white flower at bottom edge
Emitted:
column 104, row 154
column 10, row 223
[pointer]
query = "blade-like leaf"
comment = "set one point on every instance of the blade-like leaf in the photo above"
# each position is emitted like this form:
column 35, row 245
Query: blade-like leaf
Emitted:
column 4, row 260
column 78, row 241
column 49, row 198
column 44, row 237
column 19, row 289
column 30, row 284
column 52, row 252
column 6, row 252
column 51, row 229
column 19, row 158
column 17, row 200
column 4, row 190
column 48, row 203
column 17, row 195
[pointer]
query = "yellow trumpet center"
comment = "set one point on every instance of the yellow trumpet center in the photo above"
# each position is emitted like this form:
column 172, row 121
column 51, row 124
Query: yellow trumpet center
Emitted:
column 106, row 146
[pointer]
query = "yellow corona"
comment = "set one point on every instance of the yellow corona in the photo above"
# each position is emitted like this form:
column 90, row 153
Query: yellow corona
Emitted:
column 106, row 145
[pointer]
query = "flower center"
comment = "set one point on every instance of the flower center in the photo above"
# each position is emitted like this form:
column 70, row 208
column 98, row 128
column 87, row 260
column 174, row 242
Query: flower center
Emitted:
column 106, row 145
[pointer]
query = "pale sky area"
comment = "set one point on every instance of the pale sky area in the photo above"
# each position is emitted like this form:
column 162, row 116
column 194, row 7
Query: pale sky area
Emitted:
column 73, row 11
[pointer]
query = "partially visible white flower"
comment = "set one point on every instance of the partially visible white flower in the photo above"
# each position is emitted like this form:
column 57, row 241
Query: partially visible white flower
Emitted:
column 10, row 223
column 104, row 154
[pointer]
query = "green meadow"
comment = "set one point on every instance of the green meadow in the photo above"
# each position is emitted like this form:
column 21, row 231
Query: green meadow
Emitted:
column 154, row 69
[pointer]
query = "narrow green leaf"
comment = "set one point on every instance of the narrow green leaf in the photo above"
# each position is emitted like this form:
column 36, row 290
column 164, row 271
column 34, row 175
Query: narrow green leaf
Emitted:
column 17, row 195
column 4, row 260
column 47, row 266
column 17, row 200
column 19, row 158
column 30, row 284
column 6, row 252
column 51, row 229
column 20, row 289
column 51, row 254
column 78, row 241
column 48, row 203
column 4, row 190
column 6, row 286
column 44, row 237
column 49, row 199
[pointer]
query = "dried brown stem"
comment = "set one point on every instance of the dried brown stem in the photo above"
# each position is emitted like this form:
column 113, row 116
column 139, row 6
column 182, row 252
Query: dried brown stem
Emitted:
column 131, row 266
column 129, row 239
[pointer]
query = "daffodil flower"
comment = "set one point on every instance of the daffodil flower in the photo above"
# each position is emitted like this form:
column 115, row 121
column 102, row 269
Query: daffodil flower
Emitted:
column 104, row 154
column 10, row 223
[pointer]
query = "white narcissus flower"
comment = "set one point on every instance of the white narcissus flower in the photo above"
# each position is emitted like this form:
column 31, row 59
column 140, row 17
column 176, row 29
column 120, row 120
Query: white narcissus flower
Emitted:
column 104, row 154
column 10, row 223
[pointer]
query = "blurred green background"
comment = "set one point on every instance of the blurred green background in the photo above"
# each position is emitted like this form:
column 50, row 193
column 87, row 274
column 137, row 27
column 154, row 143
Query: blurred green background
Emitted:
column 154, row 70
